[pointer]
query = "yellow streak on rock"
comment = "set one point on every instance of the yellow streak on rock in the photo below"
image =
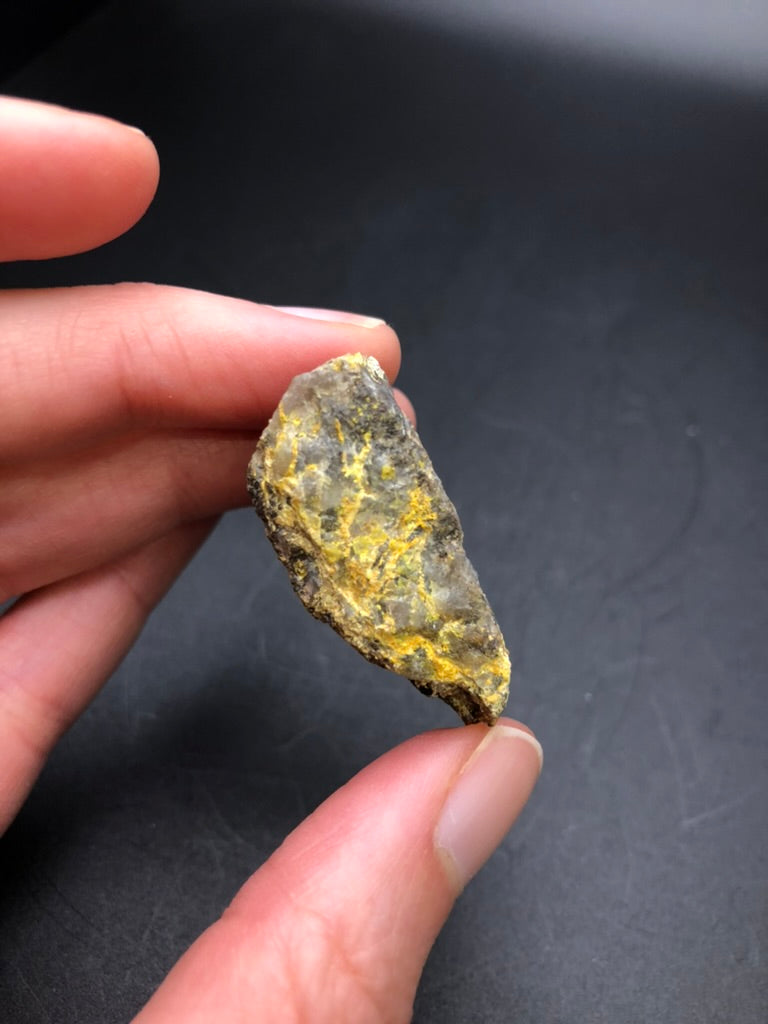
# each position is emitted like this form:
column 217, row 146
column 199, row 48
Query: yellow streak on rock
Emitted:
column 362, row 562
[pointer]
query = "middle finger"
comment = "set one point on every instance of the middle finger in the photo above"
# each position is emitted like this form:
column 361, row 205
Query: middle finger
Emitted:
column 64, row 516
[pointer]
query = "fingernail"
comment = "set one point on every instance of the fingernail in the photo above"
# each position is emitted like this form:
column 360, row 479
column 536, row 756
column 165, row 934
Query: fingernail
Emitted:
column 332, row 315
column 486, row 798
column 139, row 131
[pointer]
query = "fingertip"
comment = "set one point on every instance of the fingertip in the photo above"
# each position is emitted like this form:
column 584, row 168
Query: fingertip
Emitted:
column 391, row 352
column 406, row 405
column 71, row 180
column 486, row 798
column 328, row 333
column 526, row 733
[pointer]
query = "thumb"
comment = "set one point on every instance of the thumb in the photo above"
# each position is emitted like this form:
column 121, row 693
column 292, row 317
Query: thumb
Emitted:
column 337, row 924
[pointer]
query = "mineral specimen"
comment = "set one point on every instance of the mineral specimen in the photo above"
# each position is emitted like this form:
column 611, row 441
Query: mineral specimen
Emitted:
column 371, row 542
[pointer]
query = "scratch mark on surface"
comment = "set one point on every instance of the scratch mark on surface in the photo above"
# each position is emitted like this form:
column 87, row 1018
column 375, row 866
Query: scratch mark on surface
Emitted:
column 67, row 903
column 676, row 536
column 531, row 431
column 227, row 827
column 755, row 955
column 629, row 874
column 692, row 821
column 544, row 917
column 32, row 992
column 154, row 915
column 666, row 734
column 637, row 662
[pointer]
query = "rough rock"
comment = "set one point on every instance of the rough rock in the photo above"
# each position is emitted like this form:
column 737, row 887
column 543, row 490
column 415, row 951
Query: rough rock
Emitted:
column 371, row 542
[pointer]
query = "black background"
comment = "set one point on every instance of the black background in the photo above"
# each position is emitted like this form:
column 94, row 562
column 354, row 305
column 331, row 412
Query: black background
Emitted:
column 574, row 255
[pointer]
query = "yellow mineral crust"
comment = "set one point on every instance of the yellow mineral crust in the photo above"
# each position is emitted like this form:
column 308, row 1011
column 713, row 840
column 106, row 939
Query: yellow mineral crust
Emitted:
column 371, row 542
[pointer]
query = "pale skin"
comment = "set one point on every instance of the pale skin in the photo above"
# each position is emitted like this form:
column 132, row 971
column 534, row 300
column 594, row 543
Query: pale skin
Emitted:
column 127, row 418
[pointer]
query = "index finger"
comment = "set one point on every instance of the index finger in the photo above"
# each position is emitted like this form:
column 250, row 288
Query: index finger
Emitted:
column 79, row 363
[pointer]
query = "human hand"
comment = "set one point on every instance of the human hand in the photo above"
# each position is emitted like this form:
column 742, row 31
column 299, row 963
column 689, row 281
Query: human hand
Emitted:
column 127, row 418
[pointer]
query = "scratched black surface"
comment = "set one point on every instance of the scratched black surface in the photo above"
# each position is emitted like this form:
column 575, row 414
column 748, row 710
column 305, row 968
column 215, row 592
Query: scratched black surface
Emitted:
column 575, row 258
